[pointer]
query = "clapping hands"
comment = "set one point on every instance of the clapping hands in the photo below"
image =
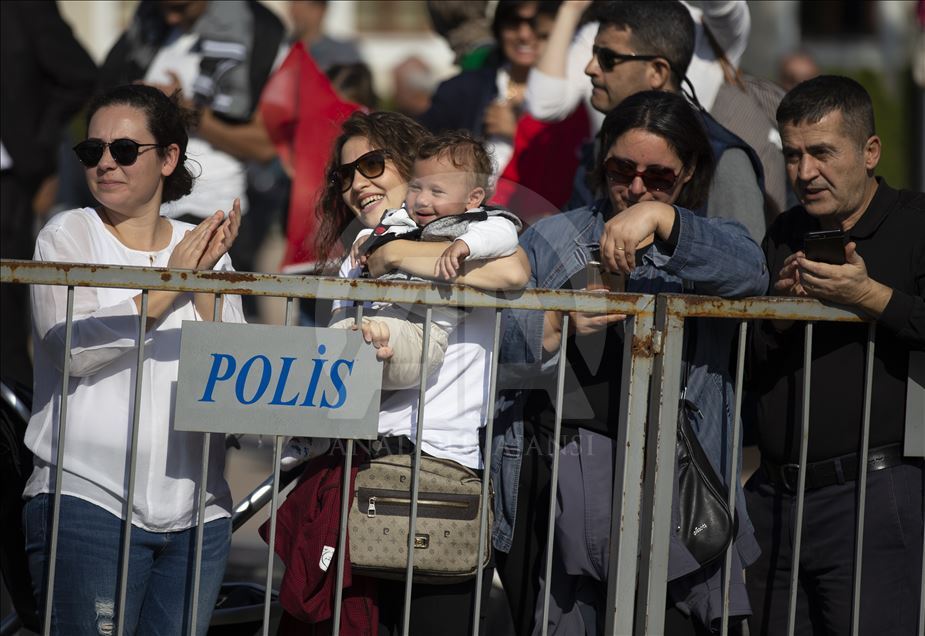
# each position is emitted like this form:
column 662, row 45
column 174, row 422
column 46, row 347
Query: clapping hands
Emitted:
column 204, row 245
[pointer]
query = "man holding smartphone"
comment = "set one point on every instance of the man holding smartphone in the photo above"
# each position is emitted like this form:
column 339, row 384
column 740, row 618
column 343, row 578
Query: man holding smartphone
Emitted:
column 831, row 152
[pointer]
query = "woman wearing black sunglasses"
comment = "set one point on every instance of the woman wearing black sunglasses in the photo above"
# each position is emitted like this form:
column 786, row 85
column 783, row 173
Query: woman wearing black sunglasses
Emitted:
column 134, row 159
column 655, row 165
column 368, row 172
column 489, row 101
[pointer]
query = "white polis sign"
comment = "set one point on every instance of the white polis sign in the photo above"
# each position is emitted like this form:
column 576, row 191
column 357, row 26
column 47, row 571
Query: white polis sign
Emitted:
column 307, row 381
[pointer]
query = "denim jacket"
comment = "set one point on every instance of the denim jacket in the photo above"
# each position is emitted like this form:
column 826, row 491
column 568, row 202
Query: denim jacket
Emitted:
column 714, row 256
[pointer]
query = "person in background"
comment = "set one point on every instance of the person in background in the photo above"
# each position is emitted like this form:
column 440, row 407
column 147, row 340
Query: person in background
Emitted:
column 414, row 84
column 557, row 83
column 465, row 27
column 354, row 83
column 307, row 28
column 650, row 46
column 47, row 77
column 219, row 55
column 832, row 152
column 488, row 102
column 795, row 68
column 135, row 159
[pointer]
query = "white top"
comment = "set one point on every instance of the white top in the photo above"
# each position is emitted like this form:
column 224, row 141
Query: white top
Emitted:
column 500, row 149
column 456, row 399
column 222, row 177
column 101, row 386
column 552, row 98
column 493, row 237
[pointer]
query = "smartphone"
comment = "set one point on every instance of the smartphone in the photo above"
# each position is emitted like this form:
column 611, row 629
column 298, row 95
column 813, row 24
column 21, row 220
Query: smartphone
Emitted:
column 825, row 246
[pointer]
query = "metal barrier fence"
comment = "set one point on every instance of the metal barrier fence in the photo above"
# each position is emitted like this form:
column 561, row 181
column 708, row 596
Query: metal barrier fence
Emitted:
column 654, row 333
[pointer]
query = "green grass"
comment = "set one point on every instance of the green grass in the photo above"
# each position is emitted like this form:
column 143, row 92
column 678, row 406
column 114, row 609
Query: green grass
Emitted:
column 893, row 116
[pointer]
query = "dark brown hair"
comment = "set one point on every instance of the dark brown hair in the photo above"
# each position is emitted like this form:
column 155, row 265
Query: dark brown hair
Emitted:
column 398, row 134
column 167, row 121
column 464, row 152
column 672, row 118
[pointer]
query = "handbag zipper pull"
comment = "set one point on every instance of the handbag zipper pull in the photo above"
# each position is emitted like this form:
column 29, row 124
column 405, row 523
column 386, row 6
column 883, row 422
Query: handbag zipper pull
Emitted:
column 371, row 510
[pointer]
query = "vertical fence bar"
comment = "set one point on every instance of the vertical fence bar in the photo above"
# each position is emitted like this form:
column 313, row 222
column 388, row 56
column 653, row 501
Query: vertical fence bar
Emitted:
column 203, row 491
column 133, row 458
column 659, row 480
column 554, row 477
column 486, row 468
column 862, row 479
column 344, row 515
column 733, row 481
column 801, row 480
column 271, row 555
column 59, row 463
column 345, row 503
column 639, row 348
column 415, row 476
column 922, row 596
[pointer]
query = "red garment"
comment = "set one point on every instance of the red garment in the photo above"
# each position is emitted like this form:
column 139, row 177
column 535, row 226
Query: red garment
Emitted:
column 307, row 523
column 538, row 179
column 303, row 115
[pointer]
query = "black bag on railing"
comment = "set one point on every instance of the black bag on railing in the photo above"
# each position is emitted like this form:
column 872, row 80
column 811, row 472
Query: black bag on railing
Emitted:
column 706, row 525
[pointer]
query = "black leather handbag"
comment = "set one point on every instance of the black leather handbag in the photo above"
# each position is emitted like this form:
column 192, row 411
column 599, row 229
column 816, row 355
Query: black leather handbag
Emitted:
column 706, row 525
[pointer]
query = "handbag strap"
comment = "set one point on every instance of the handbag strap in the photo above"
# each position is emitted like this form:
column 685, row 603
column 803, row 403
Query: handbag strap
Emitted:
column 690, row 347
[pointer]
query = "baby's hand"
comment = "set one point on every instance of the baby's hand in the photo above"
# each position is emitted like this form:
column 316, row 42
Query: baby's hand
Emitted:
column 451, row 260
column 377, row 334
column 355, row 250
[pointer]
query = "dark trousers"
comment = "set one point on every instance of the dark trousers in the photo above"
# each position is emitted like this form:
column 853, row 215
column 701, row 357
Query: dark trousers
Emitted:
column 520, row 568
column 891, row 575
column 441, row 610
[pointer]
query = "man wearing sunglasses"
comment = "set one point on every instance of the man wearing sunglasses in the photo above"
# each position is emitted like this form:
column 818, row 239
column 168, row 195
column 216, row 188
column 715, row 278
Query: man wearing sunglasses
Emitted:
column 650, row 46
column 219, row 55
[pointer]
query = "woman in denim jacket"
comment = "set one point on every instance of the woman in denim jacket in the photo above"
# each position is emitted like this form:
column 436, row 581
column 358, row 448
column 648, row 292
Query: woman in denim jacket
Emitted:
column 655, row 165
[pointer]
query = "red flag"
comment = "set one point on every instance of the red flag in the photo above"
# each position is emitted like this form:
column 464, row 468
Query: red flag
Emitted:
column 303, row 115
column 537, row 181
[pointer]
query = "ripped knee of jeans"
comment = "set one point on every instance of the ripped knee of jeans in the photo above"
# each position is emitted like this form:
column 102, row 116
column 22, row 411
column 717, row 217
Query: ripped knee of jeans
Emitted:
column 105, row 612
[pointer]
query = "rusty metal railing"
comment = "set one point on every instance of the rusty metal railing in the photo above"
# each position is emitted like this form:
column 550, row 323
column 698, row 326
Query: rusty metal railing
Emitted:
column 636, row 589
column 671, row 312
column 637, row 359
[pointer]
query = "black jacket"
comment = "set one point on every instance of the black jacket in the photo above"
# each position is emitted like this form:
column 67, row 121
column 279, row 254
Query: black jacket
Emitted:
column 47, row 77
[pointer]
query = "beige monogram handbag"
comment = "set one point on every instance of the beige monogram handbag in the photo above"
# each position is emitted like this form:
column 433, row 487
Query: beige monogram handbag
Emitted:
column 446, row 537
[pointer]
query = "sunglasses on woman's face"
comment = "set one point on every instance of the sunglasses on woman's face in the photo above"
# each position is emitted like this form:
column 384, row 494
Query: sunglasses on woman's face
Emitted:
column 515, row 21
column 370, row 165
column 655, row 178
column 124, row 151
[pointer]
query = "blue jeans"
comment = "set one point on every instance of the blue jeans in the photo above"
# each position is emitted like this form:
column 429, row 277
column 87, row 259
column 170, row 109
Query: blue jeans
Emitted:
column 160, row 573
